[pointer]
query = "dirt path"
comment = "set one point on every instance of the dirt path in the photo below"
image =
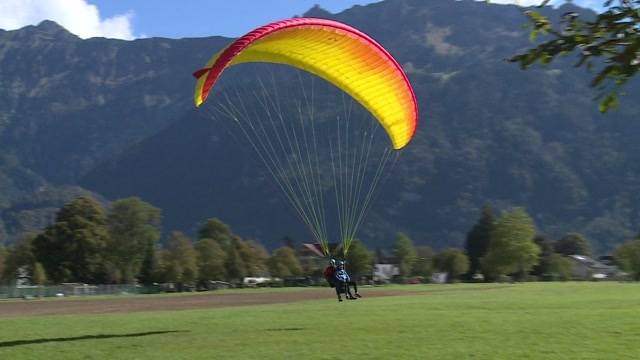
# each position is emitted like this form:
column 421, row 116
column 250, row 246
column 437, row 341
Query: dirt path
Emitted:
column 17, row 308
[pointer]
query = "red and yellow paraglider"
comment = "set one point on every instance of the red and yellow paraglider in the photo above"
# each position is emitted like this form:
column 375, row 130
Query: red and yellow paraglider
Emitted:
column 354, row 63
column 338, row 53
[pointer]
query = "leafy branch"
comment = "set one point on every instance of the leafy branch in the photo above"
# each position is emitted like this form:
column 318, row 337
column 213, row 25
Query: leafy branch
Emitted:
column 614, row 35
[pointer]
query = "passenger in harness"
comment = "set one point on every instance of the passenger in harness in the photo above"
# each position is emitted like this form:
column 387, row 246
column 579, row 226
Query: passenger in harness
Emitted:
column 342, row 283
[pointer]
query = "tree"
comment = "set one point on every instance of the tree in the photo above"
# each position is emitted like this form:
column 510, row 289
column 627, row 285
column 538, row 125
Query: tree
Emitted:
column 211, row 260
column 613, row 35
column 543, row 267
column 217, row 230
column 39, row 276
column 573, row 244
column 183, row 261
column 284, row 263
column 72, row 249
column 254, row 256
column 3, row 262
column 628, row 257
column 311, row 265
column 478, row 239
column 134, row 231
column 452, row 261
column 150, row 268
column 560, row 267
column 171, row 269
column 288, row 241
column 512, row 249
column 20, row 256
column 359, row 259
column 405, row 253
column 423, row 266
column 235, row 266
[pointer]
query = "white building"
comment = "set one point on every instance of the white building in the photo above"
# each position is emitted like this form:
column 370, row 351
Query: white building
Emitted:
column 585, row 267
column 385, row 272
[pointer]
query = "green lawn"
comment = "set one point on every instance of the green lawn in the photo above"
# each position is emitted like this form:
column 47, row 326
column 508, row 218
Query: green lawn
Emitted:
column 488, row 321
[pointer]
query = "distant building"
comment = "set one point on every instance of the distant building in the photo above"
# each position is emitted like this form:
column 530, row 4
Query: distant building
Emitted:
column 587, row 268
column 255, row 281
column 314, row 249
column 439, row 277
column 385, row 272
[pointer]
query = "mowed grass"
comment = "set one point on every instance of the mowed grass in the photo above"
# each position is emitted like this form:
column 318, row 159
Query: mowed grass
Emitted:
column 465, row 321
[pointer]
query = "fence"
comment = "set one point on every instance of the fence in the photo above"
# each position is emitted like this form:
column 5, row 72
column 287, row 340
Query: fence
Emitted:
column 64, row 290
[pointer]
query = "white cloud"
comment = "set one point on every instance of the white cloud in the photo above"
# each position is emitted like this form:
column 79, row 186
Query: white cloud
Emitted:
column 77, row 16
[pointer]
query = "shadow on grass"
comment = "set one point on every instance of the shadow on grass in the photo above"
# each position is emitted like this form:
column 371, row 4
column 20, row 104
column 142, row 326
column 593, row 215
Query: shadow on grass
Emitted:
column 85, row 337
column 286, row 329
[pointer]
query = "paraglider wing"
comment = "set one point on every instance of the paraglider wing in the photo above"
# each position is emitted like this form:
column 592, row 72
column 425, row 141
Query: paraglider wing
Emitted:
column 336, row 52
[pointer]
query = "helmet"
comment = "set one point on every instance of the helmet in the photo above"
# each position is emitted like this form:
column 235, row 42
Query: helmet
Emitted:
column 332, row 262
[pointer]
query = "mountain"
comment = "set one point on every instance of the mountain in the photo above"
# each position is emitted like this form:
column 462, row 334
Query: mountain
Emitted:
column 67, row 104
column 115, row 117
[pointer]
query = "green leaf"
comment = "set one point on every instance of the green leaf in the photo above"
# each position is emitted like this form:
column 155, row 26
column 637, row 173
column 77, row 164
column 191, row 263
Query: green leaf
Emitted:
column 610, row 102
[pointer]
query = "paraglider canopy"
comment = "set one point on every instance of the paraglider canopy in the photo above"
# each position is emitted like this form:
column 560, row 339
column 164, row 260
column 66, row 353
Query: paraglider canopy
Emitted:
column 336, row 52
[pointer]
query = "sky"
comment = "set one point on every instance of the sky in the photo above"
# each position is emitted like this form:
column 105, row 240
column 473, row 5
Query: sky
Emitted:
column 131, row 19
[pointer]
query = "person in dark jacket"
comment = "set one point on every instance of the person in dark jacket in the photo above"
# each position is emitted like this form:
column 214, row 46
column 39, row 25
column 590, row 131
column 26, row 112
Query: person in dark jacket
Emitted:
column 330, row 273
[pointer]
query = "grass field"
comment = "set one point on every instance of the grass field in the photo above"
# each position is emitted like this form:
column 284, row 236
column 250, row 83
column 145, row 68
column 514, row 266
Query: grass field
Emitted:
column 465, row 321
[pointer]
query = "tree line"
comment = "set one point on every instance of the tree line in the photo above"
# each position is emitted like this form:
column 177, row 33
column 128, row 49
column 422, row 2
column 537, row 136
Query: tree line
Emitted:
column 122, row 245
column 89, row 244
column 507, row 246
